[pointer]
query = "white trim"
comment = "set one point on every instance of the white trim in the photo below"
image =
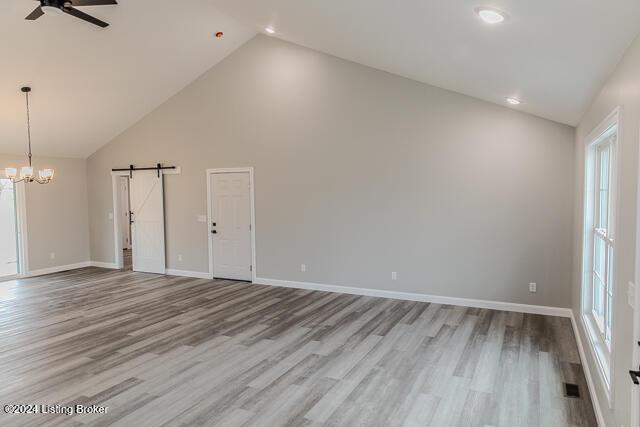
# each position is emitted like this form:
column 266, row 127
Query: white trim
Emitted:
column 407, row 296
column 56, row 269
column 183, row 273
column 635, row 392
column 118, row 254
column 635, row 357
column 253, row 216
column 587, row 372
column 100, row 264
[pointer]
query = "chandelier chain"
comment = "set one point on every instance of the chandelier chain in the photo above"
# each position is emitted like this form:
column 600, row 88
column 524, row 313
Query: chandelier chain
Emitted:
column 29, row 128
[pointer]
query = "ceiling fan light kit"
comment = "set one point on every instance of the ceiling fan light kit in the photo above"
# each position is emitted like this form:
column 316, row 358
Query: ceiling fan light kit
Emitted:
column 45, row 176
column 59, row 7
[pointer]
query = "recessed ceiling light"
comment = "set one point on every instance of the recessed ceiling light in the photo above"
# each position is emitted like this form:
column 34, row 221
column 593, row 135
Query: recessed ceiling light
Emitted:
column 490, row 16
column 270, row 30
column 513, row 101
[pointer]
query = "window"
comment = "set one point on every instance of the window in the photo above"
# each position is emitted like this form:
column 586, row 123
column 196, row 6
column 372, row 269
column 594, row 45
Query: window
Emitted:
column 599, row 242
column 602, row 242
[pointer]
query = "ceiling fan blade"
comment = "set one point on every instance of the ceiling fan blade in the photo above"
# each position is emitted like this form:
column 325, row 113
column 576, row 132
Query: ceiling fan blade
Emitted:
column 37, row 13
column 93, row 2
column 75, row 12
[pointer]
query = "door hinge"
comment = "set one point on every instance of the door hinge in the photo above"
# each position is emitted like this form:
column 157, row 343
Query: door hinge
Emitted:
column 251, row 268
column 249, row 227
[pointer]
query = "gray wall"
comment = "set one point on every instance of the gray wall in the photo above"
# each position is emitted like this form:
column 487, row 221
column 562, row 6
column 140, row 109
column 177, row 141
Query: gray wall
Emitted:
column 57, row 213
column 360, row 173
column 622, row 89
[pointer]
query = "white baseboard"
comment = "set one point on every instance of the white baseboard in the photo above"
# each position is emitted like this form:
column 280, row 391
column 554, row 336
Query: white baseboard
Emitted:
column 587, row 372
column 465, row 302
column 183, row 273
column 57, row 269
column 100, row 264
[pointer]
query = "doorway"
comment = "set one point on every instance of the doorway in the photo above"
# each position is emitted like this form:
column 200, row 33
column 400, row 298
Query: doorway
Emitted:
column 125, row 223
column 231, row 224
column 9, row 253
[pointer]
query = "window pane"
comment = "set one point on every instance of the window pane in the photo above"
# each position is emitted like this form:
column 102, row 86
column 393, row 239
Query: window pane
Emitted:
column 603, row 190
column 603, row 212
column 598, row 256
column 604, row 167
column 609, row 292
column 609, row 317
column 598, row 298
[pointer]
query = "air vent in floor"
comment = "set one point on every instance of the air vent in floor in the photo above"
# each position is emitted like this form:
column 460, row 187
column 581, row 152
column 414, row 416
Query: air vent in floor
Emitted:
column 571, row 390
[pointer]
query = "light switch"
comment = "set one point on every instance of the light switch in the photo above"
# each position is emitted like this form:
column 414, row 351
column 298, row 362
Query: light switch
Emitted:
column 110, row 215
column 202, row 218
column 631, row 295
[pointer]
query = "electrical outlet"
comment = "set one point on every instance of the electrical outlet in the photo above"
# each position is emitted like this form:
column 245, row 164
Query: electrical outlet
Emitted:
column 180, row 257
column 52, row 255
column 303, row 267
column 394, row 275
column 533, row 287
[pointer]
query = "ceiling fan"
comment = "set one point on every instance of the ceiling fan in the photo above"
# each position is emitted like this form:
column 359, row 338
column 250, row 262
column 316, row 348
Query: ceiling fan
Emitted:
column 68, row 7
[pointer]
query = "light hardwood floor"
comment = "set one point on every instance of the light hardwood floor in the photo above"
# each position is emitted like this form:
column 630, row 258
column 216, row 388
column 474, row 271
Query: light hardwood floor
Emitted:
column 159, row 350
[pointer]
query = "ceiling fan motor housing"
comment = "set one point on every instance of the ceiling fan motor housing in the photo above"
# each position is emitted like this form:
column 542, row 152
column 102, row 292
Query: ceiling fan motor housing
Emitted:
column 58, row 4
column 68, row 7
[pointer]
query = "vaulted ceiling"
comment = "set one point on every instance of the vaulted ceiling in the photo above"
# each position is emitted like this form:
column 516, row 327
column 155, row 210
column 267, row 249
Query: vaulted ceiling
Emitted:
column 90, row 84
column 552, row 54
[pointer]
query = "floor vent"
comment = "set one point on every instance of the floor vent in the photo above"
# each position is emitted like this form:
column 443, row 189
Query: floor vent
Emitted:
column 572, row 390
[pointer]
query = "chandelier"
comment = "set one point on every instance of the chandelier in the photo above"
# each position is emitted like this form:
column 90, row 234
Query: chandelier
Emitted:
column 45, row 176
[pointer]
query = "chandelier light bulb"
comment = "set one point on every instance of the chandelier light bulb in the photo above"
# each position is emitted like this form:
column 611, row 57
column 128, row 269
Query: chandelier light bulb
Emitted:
column 11, row 173
column 26, row 172
column 46, row 174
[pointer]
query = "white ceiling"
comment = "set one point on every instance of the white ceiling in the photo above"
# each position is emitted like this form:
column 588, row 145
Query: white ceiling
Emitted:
column 90, row 84
column 553, row 54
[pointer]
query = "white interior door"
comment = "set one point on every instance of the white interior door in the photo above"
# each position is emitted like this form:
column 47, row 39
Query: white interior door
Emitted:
column 231, row 225
column 125, row 208
column 147, row 228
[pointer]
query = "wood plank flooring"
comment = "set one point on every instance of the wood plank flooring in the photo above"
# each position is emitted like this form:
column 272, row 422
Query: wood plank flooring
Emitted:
column 159, row 350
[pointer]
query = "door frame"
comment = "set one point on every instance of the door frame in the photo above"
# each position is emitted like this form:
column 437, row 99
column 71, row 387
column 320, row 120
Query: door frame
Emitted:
column 635, row 356
column 211, row 172
column 21, row 231
column 118, row 254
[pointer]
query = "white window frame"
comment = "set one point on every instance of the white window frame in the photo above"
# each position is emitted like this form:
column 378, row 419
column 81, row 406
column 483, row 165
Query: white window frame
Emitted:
column 602, row 351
